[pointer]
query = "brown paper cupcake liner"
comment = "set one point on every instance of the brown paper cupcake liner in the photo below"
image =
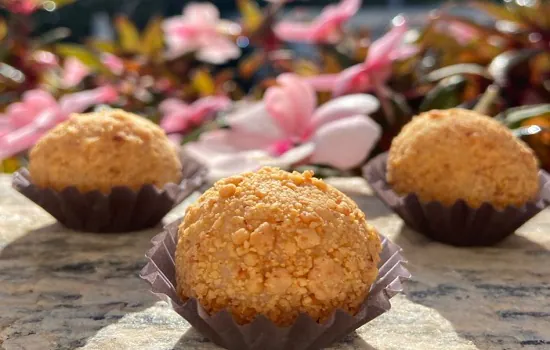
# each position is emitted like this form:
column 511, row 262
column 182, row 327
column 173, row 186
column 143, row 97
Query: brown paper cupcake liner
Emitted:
column 122, row 210
column 459, row 224
column 262, row 334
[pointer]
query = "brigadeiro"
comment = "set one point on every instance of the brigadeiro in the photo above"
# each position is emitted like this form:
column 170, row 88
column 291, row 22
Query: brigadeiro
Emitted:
column 99, row 151
column 105, row 171
column 276, row 244
column 276, row 252
column 460, row 177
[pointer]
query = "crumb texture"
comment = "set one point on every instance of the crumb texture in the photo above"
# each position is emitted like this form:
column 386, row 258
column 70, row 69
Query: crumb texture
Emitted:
column 447, row 155
column 276, row 243
column 97, row 151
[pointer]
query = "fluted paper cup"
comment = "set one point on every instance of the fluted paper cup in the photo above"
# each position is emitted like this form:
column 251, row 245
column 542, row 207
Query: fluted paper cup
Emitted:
column 263, row 334
column 458, row 224
column 121, row 210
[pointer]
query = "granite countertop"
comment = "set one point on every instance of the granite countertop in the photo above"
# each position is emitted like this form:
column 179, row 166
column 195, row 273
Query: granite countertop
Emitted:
column 68, row 290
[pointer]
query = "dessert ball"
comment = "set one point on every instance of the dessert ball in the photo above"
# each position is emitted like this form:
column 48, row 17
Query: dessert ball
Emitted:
column 276, row 243
column 447, row 155
column 97, row 151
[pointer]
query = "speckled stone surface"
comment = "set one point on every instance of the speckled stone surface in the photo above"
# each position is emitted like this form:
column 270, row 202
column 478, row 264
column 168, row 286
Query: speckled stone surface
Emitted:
column 68, row 290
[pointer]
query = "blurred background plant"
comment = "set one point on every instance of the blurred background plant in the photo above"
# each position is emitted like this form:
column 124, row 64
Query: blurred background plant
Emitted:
column 189, row 71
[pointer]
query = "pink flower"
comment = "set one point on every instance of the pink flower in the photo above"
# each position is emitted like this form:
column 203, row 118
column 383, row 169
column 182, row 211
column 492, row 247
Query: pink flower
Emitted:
column 461, row 32
column 179, row 116
column 24, row 7
column 26, row 121
column 114, row 63
column 288, row 128
column 73, row 72
column 375, row 70
column 45, row 59
column 201, row 30
column 326, row 28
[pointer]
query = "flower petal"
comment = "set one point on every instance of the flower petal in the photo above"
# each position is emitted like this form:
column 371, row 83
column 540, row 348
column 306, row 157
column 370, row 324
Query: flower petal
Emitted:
column 345, row 143
column 114, row 63
column 223, row 160
column 173, row 105
column 323, row 82
column 25, row 137
column 253, row 118
column 322, row 29
column 19, row 114
column 173, row 109
column 380, row 50
column 352, row 79
column 295, row 31
column 343, row 107
column 175, row 122
column 231, row 141
column 403, row 52
column 303, row 98
column 46, row 59
column 203, row 152
column 201, row 13
column 291, row 104
column 332, row 18
column 4, row 129
column 73, row 72
column 296, row 155
column 172, row 23
column 176, row 138
column 80, row 101
column 233, row 164
column 280, row 107
column 218, row 50
column 39, row 99
column 350, row 7
column 207, row 106
column 33, row 103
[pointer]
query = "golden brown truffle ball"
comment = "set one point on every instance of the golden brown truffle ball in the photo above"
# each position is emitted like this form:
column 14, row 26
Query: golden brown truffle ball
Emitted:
column 97, row 151
column 447, row 155
column 276, row 243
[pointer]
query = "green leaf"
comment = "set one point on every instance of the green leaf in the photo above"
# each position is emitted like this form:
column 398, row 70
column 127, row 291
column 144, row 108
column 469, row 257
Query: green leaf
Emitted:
column 192, row 135
column 502, row 65
column 495, row 10
column 10, row 165
column 82, row 53
column 394, row 112
column 153, row 43
column 60, row 3
column 446, row 94
column 11, row 73
column 51, row 37
column 7, row 97
column 529, row 130
column 249, row 65
column 102, row 45
column 3, row 29
column 195, row 133
column 487, row 100
column 334, row 60
column 128, row 35
column 251, row 13
column 401, row 109
column 203, row 82
column 513, row 117
column 461, row 68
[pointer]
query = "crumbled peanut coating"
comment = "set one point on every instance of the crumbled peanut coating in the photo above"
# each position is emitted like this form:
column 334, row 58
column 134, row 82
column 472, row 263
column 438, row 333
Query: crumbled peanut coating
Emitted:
column 97, row 151
column 276, row 243
column 447, row 155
